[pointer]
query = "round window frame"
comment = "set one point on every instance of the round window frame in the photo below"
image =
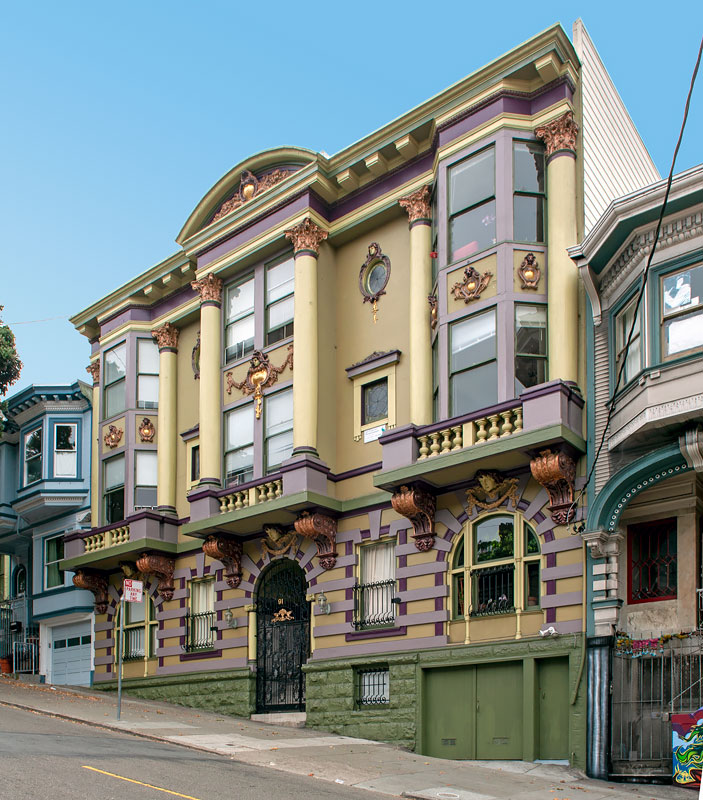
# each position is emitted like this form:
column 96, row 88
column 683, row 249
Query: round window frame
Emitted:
column 373, row 259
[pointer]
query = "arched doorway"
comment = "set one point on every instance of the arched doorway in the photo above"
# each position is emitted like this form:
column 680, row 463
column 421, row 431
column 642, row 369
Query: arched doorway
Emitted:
column 283, row 637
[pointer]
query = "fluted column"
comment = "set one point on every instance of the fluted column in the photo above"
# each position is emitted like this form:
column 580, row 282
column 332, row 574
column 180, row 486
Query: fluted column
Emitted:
column 417, row 205
column 306, row 238
column 94, row 370
column 167, row 338
column 210, row 289
column 562, row 279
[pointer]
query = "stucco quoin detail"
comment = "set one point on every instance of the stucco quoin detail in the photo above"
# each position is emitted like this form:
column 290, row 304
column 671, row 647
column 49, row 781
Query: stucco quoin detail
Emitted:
column 306, row 237
column 162, row 567
column 556, row 473
column 94, row 582
column 559, row 134
column 166, row 337
column 419, row 507
column 323, row 531
column 417, row 205
column 229, row 552
column 209, row 288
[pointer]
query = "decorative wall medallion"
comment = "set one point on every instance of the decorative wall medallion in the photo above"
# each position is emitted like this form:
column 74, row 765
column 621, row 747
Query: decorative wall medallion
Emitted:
column 472, row 285
column 282, row 615
column 323, row 531
column 559, row 134
column 229, row 552
column 419, row 506
column 260, row 376
column 94, row 370
column 556, row 472
column 529, row 272
column 276, row 542
column 195, row 359
column 374, row 276
column 249, row 187
column 491, row 491
column 162, row 567
column 147, row 430
column 95, row 582
column 113, row 436
column 432, row 300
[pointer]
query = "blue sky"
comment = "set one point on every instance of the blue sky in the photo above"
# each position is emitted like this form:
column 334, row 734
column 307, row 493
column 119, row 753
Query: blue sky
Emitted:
column 118, row 118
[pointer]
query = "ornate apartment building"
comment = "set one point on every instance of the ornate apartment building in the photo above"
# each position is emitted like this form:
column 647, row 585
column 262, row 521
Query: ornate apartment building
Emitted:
column 338, row 433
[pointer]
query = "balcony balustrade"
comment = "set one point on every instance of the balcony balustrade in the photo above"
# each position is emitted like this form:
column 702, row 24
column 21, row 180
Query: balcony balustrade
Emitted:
column 232, row 499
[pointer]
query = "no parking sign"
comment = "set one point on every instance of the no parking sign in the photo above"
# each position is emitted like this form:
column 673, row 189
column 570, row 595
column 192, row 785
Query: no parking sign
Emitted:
column 133, row 590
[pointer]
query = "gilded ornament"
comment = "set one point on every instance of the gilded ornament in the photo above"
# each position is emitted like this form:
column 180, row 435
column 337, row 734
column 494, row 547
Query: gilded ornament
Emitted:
column 472, row 285
column 261, row 375
column 249, row 187
column 491, row 491
column 323, row 531
column 556, row 472
column 94, row 370
column 195, row 358
column 209, row 288
column 162, row 567
column 419, row 506
column 374, row 276
column 276, row 542
column 432, row 300
column 147, row 430
column 166, row 337
column 529, row 272
column 559, row 134
column 113, row 436
column 417, row 204
column 306, row 236
column 229, row 552
column 282, row 615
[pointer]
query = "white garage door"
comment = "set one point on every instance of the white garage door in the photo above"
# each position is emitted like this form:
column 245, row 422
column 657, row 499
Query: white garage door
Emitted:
column 70, row 654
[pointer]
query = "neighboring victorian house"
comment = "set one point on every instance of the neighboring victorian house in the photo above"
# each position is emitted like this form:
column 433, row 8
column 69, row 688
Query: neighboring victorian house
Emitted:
column 338, row 433
column 644, row 504
column 45, row 622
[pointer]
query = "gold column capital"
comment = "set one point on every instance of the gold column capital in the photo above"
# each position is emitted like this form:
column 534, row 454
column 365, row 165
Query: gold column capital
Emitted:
column 306, row 237
column 166, row 337
column 209, row 288
column 94, row 370
column 418, row 205
column 559, row 134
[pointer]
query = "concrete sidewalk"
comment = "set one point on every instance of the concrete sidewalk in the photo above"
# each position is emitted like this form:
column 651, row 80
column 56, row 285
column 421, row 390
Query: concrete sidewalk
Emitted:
column 354, row 762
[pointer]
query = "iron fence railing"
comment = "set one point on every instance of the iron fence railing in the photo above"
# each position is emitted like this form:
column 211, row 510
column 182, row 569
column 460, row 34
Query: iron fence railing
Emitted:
column 25, row 656
column 374, row 604
column 200, row 631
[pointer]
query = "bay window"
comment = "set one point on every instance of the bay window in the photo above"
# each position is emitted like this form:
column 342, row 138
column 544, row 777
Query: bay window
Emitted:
column 53, row 554
column 280, row 280
column 33, row 456
column 528, row 187
column 114, row 381
column 239, row 444
column 147, row 374
column 472, row 205
column 631, row 361
column 65, row 455
column 239, row 325
column 530, row 346
column 145, row 479
column 473, row 378
column 278, row 428
column 113, row 489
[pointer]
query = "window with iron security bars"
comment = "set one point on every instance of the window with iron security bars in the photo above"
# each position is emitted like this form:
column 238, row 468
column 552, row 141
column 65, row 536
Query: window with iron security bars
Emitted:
column 134, row 644
column 493, row 590
column 200, row 631
column 372, row 687
column 374, row 604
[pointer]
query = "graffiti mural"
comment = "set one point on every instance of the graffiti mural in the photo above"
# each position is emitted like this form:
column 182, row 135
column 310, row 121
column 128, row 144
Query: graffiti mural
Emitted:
column 687, row 743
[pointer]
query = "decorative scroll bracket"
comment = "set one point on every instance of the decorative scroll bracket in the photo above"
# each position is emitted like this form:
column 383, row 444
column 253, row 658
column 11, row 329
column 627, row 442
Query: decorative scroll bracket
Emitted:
column 162, row 567
column 556, row 473
column 419, row 507
column 323, row 531
column 95, row 582
column 229, row 552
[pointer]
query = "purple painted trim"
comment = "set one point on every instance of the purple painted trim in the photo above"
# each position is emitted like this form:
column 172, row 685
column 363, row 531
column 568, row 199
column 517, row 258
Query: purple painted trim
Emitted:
column 438, row 628
column 559, row 600
column 421, row 569
column 359, row 635
column 133, row 518
column 551, row 587
column 308, row 463
column 563, row 152
column 191, row 433
column 354, row 473
column 439, row 579
column 551, row 615
column 274, row 476
column 419, row 221
column 200, row 656
column 551, row 562
column 564, row 571
column 373, row 362
column 438, row 604
column 214, row 303
column 561, row 545
column 379, row 647
column 569, row 389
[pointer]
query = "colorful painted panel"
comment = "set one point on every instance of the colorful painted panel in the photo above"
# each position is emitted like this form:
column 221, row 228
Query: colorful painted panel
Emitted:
column 687, row 742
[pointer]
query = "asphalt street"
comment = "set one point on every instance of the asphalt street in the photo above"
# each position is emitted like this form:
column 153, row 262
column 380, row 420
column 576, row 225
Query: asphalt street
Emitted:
column 41, row 757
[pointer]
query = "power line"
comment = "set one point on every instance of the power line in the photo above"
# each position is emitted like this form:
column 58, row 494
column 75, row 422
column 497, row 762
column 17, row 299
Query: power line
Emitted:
column 640, row 295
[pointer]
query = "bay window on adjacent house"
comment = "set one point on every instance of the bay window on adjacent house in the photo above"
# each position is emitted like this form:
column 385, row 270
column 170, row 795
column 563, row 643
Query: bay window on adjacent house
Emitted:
column 280, row 281
column 113, row 489
column 53, row 554
column 115, row 371
column 374, row 595
column 652, row 556
column 239, row 322
column 472, row 205
column 65, row 454
column 473, row 368
column 631, row 361
column 145, row 479
column 239, row 444
column 530, row 346
column 140, row 628
column 200, row 621
column 528, row 187
column 33, row 456
column 682, row 311
column 147, row 374
column 278, row 428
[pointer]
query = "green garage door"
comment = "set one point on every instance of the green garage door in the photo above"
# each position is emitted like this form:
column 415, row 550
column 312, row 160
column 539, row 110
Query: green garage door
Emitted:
column 553, row 704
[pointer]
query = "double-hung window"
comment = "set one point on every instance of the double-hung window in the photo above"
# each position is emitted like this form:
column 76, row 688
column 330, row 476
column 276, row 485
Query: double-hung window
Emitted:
column 473, row 366
column 145, row 479
column 201, row 625
column 682, row 311
column 33, row 456
column 528, row 197
column 472, row 205
column 140, row 628
column 280, row 281
column 147, row 374
column 113, row 489
column 65, row 455
column 53, row 554
column 278, row 428
column 530, row 346
column 239, row 444
column 375, row 593
column 630, row 359
column 239, row 330
column 114, row 381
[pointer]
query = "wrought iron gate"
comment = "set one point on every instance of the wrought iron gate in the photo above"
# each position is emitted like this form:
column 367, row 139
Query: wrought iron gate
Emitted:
column 283, row 637
column 648, row 686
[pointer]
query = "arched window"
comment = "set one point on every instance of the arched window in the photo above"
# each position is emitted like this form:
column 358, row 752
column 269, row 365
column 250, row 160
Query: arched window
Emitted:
column 19, row 588
column 495, row 567
column 140, row 628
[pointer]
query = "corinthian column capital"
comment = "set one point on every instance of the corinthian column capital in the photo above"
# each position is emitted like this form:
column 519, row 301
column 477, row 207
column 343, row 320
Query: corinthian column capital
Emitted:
column 306, row 237
column 209, row 288
column 418, row 205
column 94, row 370
column 166, row 337
column 559, row 134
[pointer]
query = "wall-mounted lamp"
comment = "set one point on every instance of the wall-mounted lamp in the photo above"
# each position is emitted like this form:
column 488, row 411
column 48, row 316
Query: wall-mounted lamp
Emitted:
column 230, row 618
column 323, row 604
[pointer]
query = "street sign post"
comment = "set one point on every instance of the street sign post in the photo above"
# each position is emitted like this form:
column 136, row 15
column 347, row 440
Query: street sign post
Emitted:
column 131, row 593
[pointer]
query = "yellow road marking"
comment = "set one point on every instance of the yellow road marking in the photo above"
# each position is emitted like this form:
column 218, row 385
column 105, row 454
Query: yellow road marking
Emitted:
column 140, row 783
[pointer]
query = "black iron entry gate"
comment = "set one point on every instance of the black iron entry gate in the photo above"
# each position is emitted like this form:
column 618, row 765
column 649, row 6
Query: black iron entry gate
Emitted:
column 283, row 636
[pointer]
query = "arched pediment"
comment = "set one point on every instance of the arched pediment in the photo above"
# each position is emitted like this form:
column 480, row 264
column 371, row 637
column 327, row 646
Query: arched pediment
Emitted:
column 244, row 182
